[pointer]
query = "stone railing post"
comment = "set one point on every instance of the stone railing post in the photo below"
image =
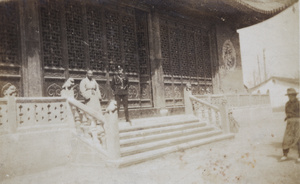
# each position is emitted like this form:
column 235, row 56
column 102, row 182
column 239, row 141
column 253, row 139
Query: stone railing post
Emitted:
column 112, row 131
column 11, row 126
column 224, row 116
column 187, row 101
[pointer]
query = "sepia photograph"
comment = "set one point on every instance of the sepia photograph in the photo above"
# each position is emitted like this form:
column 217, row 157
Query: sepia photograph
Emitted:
column 149, row 92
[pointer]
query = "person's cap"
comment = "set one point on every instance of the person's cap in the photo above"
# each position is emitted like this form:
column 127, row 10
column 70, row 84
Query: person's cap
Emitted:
column 291, row 91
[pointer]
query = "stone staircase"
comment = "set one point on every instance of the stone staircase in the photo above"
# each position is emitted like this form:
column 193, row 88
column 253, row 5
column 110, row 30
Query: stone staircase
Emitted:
column 150, row 138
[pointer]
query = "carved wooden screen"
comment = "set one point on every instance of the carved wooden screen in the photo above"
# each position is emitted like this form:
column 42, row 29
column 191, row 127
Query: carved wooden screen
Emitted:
column 10, row 63
column 77, row 36
column 186, row 58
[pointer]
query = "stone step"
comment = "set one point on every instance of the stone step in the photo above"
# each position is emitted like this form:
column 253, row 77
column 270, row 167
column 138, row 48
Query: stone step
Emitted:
column 149, row 155
column 164, row 135
column 132, row 150
column 158, row 130
column 157, row 122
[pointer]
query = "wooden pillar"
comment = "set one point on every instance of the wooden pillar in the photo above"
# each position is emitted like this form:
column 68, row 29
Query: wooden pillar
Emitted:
column 214, row 61
column 156, row 61
column 31, row 48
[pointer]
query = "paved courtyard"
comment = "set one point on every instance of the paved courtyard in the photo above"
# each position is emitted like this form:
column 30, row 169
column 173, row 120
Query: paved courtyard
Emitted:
column 250, row 158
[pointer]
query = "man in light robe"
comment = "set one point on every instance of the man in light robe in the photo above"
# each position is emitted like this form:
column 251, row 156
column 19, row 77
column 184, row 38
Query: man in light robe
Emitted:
column 89, row 89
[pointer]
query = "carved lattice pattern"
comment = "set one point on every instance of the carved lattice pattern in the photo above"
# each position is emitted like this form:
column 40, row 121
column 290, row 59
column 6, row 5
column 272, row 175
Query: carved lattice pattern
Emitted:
column 143, row 54
column 164, row 38
column 9, row 33
column 206, row 56
column 75, row 35
column 191, row 55
column 95, row 37
column 129, row 43
column 51, row 33
column 198, row 47
column 113, row 39
column 186, row 56
column 174, row 52
column 184, row 66
column 189, row 50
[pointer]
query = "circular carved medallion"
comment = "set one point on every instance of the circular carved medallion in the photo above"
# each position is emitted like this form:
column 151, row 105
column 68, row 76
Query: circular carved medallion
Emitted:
column 229, row 55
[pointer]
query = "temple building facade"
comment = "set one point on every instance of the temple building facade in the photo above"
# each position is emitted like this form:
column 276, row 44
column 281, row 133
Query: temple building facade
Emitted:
column 162, row 45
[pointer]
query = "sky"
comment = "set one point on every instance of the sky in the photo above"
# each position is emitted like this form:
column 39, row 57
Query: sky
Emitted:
column 279, row 36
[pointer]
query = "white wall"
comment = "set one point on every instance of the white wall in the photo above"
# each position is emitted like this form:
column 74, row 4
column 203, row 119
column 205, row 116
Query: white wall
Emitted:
column 279, row 36
column 277, row 91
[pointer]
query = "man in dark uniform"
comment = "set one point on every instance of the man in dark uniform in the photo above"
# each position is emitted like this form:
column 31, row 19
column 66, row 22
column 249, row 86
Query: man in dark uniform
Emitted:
column 120, row 87
column 292, row 131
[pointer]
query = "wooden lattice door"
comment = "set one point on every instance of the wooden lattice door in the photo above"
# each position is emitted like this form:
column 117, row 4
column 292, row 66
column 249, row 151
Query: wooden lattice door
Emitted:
column 186, row 58
column 78, row 35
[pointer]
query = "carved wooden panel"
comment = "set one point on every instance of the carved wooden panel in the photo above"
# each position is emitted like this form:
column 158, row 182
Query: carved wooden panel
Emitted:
column 143, row 58
column 9, row 33
column 75, row 35
column 97, row 37
column 186, row 56
column 51, row 33
column 40, row 112
column 10, row 63
column 114, row 55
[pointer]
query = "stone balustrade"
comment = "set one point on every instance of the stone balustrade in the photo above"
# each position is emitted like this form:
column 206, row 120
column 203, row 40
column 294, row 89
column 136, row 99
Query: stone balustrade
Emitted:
column 100, row 131
column 3, row 114
column 39, row 111
column 19, row 112
column 217, row 109
column 237, row 100
column 216, row 115
column 26, row 114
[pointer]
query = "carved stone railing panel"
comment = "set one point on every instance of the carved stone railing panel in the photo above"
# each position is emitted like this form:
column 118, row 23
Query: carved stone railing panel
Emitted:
column 206, row 113
column 265, row 99
column 256, row 100
column 99, row 131
column 233, row 100
column 89, row 127
column 244, row 100
column 41, row 111
column 216, row 100
column 3, row 113
column 237, row 100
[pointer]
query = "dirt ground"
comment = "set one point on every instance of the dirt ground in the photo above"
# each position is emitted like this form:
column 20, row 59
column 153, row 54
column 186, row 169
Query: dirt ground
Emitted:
column 252, row 157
